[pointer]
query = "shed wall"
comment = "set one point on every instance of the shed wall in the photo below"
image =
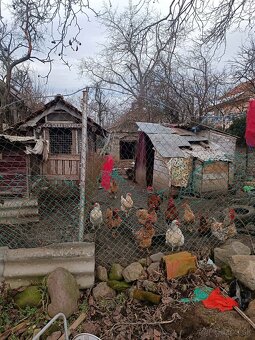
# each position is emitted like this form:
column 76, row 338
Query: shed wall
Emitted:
column 161, row 175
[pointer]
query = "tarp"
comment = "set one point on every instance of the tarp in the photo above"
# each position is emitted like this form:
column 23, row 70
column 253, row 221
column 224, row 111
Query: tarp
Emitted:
column 250, row 124
column 41, row 148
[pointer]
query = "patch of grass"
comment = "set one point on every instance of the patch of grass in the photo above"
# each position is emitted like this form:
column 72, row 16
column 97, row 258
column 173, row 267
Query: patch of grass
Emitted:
column 84, row 307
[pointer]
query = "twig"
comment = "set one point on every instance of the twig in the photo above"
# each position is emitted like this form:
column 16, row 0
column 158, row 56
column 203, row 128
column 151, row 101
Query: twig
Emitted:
column 13, row 330
column 142, row 323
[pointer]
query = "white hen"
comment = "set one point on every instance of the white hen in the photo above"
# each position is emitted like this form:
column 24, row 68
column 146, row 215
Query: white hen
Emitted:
column 174, row 235
column 126, row 203
column 96, row 216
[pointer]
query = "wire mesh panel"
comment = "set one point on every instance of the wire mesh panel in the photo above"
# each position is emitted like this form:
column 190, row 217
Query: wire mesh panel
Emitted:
column 158, row 187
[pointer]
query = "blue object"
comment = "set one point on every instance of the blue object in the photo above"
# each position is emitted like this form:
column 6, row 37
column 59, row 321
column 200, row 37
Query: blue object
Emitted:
column 200, row 294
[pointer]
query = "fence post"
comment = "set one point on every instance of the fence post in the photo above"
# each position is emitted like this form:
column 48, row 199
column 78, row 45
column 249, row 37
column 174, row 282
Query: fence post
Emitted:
column 83, row 159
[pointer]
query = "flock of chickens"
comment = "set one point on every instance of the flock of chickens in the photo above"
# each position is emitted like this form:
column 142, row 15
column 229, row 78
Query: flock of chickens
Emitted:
column 147, row 218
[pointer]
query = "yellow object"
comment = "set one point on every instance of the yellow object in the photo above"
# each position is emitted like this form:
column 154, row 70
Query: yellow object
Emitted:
column 179, row 264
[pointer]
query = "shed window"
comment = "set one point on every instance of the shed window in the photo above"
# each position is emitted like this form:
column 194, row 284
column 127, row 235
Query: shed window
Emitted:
column 127, row 150
column 60, row 141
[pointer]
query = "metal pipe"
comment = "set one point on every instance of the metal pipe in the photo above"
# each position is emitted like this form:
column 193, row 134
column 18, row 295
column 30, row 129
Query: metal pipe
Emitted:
column 83, row 164
column 59, row 315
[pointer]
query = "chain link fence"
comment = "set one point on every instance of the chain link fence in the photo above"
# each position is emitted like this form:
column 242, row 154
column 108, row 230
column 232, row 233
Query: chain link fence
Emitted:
column 194, row 175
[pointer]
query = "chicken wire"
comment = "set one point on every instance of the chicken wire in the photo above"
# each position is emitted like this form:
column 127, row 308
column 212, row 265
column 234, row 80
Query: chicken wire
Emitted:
column 40, row 200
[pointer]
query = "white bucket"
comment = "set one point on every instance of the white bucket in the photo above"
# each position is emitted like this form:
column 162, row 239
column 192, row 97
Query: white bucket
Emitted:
column 86, row 336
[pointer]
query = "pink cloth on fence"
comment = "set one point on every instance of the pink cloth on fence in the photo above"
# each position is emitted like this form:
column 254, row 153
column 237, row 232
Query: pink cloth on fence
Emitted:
column 107, row 172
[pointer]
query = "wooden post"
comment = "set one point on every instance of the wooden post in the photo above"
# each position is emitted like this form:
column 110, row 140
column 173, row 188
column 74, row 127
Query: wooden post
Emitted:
column 83, row 164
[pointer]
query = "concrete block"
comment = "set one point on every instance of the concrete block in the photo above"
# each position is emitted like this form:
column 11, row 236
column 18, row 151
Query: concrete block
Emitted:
column 3, row 251
column 26, row 266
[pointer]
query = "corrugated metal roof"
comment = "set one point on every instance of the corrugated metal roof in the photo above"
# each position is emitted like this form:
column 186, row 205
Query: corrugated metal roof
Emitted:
column 150, row 128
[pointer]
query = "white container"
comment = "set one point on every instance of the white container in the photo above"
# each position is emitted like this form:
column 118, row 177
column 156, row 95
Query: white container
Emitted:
column 86, row 336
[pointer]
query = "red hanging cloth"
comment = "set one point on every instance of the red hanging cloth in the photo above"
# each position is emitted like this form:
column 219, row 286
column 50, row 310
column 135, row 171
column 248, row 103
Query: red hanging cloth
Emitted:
column 250, row 124
column 107, row 172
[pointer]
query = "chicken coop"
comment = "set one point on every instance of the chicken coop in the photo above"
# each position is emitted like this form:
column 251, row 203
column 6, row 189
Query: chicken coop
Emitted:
column 173, row 158
column 60, row 124
column 16, row 202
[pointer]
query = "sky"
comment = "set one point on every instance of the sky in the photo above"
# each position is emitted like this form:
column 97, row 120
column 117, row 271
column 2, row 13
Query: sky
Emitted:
column 64, row 80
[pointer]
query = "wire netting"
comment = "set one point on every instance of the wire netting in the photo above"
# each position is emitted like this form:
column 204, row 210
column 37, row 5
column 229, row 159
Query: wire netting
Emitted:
column 190, row 188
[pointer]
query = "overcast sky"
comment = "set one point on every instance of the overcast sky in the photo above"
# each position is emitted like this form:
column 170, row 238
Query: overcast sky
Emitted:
column 64, row 80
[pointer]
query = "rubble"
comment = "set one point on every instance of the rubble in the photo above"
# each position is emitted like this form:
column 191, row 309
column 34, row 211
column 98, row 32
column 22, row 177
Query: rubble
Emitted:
column 223, row 254
column 132, row 272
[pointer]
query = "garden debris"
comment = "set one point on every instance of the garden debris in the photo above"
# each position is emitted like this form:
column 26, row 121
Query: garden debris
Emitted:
column 240, row 293
column 218, row 301
column 143, row 295
column 17, row 328
column 179, row 264
column 200, row 294
column 63, row 291
column 116, row 272
column 150, row 286
column 30, row 296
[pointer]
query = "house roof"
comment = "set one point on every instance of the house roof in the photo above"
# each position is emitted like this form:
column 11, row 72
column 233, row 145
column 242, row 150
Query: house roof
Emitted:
column 173, row 142
column 19, row 139
column 34, row 118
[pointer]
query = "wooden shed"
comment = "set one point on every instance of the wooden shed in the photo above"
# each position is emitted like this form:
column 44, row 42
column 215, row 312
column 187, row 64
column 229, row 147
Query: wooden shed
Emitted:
column 170, row 158
column 16, row 203
column 60, row 124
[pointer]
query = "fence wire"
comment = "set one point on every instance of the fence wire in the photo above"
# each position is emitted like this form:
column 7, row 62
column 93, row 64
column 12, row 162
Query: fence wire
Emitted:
column 189, row 189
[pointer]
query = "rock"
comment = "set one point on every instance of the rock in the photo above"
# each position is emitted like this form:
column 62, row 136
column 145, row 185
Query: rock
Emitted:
column 150, row 286
column 31, row 297
column 226, row 273
column 144, row 262
column 222, row 255
column 243, row 268
column 142, row 295
column 54, row 336
column 64, row 292
column 153, row 270
column 157, row 257
column 102, row 291
column 116, row 272
column 118, row 285
column 132, row 272
column 250, row 311
column 101, row 274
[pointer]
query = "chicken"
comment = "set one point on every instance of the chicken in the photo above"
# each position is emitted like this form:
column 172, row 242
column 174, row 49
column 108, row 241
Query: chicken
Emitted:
column 113, row 219
column 204, row 225
column 171, row 212
column 144, row 215
column 126, row 203
column 174, row 235
column 153, row 199
column 96, row 216
column 226, row 229
column 145, row 234
column 189, row 216
column 113, row 188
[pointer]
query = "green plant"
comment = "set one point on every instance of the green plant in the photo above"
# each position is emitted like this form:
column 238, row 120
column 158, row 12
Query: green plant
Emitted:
column 84, row 307
column 237, row 128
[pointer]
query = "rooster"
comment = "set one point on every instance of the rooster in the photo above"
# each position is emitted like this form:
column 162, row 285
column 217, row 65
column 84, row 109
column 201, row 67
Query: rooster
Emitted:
column 96, row 216
column 113, row 188
column 153, row 199
column 226, row 229
column 189, row 216
column 113, row 219
column 126, row 203
column 145, row 234
column 171, row 212
column 229, row 223
column 174, row 235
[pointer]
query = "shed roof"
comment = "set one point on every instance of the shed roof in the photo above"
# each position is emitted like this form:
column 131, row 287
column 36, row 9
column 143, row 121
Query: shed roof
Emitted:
column 19, row 139
column 213, row 153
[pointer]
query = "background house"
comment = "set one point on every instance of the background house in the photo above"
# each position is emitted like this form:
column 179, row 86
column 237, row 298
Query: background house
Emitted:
column 60, row 124
column 232, row 105
column 170, row 157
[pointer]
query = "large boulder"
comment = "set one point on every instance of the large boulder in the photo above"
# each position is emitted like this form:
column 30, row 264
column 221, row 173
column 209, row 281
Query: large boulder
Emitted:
column 222, row 255
column 30, row 297
column 251, row 310
column 64, row 292
column 116, row 272
column 103, row 291
column 243, row 268
column 132, row 272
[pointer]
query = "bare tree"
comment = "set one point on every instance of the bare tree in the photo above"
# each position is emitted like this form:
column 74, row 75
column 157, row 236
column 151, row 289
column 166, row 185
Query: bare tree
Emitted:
column 24, row 34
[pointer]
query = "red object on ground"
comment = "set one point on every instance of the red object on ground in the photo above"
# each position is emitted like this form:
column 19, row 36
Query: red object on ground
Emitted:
column 250, row 124
column 107, row 172
column 217, row 301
